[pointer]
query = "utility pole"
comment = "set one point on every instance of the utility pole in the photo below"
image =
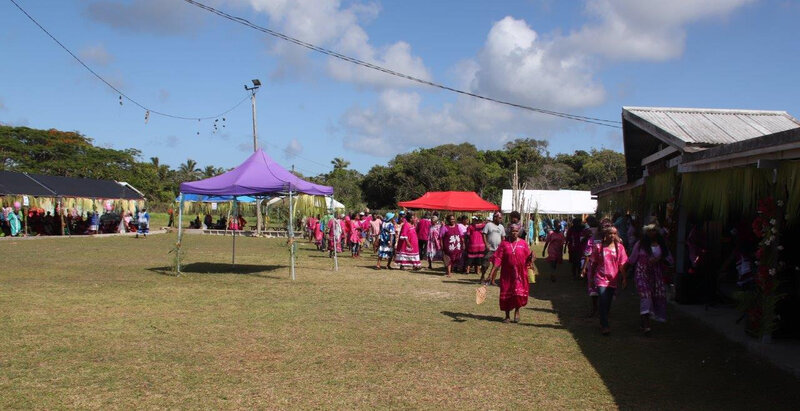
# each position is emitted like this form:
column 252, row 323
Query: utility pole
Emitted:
column 252, row 90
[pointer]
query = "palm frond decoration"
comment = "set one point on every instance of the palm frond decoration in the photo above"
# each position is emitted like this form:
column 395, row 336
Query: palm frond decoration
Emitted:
column 661, row 186
column 717, row 195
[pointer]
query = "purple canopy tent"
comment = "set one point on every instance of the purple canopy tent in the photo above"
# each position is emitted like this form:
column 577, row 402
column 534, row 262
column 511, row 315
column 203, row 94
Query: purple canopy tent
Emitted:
column 258, row 175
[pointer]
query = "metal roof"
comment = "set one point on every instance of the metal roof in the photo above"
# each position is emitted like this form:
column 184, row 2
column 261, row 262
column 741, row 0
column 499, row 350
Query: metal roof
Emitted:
column 13, row 183
column 702, row 126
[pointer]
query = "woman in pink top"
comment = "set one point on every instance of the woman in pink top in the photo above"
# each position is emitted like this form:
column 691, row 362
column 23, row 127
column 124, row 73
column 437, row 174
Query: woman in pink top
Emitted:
column 608, row 265
column 554, row 247
column 476, row 248
column 374, row 232
column 407, row 250
column 355, row 235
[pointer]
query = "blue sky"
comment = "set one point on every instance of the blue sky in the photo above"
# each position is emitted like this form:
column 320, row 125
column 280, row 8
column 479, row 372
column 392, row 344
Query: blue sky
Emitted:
column 585, row 57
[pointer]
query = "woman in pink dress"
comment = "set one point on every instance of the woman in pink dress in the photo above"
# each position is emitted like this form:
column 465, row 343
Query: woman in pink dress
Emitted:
column 608, row 265
column 476, row 248
column 452, row 244
column 649, row 258
column 513, row 257
column 554, row 247
column 591, row 237
column 318, row 234
column 407, row 250
column 355, row 235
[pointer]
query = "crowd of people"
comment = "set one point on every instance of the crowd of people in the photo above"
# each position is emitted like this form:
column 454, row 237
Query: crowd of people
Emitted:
column 598, row 252
column 36, row 221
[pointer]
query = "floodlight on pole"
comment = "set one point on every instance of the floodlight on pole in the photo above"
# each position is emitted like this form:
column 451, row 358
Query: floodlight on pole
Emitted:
column 252, row 90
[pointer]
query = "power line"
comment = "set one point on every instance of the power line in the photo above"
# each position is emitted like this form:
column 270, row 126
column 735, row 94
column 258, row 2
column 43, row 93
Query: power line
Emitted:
column 310, row 46
column 140, row 105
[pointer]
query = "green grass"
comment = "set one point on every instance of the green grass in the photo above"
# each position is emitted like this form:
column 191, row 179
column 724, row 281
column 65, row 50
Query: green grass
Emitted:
column 96, row 323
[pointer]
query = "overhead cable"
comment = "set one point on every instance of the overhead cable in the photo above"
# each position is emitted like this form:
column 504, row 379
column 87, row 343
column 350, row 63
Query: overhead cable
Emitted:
column 353, row 60
column 148, row 110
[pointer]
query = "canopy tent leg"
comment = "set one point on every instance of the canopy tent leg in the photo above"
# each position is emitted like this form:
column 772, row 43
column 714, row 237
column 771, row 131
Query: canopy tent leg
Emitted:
column 180, row 233
column 291, row 232
column 236, row 216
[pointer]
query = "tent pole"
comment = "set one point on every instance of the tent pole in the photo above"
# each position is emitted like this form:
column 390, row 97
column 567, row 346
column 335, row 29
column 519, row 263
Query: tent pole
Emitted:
column 235, row 215
column 180, row 232
column 291, row 231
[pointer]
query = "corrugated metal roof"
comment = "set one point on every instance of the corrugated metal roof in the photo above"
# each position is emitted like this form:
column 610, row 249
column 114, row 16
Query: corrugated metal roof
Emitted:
column 715, row 126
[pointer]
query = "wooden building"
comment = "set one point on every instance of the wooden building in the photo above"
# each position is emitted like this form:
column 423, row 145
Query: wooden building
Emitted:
column 709, row 166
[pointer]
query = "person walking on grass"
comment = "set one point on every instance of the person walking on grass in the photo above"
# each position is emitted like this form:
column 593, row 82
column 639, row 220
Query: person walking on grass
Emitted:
column 355, row 235
column 434, row 251
column 407, row 247
column 592, row 237
column 452, row 244
column 476, row 247
column 493, row 233
column 607, row 263
column 423, row 235
column 386, row 241
column 554, row 247
column 575, row 234
column 144, row 223
column 513, row 257
column 649, row 258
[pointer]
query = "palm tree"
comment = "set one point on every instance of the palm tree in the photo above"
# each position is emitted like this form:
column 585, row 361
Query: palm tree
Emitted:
column 211, row 171
column 339, row 163
column 155, row 162
column 188, row 170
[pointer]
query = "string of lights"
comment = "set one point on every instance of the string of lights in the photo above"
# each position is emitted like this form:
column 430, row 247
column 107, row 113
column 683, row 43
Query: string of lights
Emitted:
column 353, row 60
column 148, row 111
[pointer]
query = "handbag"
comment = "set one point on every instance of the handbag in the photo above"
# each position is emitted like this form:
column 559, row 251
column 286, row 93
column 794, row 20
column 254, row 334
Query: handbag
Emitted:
column 480, row 295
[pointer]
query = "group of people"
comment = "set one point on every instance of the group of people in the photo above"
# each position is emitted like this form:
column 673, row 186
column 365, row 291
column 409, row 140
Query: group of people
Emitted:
column 236, row 223
column 38, row 221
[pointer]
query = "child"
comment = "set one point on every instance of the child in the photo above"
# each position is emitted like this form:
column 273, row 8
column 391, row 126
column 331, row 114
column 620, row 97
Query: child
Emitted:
column 554, row 246
column 608, row 260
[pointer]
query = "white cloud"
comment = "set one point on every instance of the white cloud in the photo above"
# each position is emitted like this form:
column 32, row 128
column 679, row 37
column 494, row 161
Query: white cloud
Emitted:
column 96, row 54
column 399, row 122
column 517, row 64
column 644, row 30
column 330, row 24
column 292, row 149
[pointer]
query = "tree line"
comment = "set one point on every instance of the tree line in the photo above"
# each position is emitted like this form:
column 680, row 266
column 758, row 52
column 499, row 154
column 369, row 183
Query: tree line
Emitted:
column 405, row 177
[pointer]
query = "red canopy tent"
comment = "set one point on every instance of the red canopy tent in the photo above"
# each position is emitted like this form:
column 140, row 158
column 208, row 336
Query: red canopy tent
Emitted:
column 450, row 200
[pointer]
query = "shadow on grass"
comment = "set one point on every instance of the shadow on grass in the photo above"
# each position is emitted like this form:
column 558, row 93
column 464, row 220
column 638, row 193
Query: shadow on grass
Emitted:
column 681, row 353
column 461, row 317
column 222, row 268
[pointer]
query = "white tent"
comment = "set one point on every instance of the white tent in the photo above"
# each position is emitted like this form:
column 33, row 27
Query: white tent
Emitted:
column 564, row 202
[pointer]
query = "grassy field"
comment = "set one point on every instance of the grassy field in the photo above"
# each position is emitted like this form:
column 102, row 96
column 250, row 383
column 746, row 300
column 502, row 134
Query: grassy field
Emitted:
column 97, row 323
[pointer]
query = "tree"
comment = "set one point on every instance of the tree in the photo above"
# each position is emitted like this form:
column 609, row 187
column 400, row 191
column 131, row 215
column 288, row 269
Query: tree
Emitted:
column 188, row 171
column 340, row 163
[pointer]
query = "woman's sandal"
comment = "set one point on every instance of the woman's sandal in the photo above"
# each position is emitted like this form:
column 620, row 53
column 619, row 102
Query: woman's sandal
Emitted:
column 506, row 321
